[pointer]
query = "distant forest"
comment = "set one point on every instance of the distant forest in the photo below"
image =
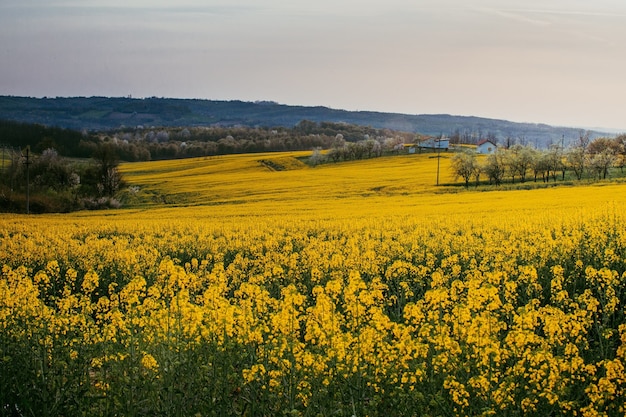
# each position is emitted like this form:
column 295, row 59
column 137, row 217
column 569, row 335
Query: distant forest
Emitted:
column 141, row 144
column 99, row 114
column 38, row 137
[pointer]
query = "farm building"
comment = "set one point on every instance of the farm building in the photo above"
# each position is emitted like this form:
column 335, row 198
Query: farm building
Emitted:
column 486, row 146
column 433, row 143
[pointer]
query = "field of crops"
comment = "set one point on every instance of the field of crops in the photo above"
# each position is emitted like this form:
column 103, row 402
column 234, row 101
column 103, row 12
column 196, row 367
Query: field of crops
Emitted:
column 254, row 285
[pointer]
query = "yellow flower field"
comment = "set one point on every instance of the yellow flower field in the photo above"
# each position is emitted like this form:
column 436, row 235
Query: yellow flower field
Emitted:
column 234, row 288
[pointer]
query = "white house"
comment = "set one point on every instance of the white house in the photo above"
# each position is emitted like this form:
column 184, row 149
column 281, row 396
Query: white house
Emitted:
column 486, row 146
column 432, row 143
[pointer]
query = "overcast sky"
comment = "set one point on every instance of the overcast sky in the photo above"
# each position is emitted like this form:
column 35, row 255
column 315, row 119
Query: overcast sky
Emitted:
column 560, row 62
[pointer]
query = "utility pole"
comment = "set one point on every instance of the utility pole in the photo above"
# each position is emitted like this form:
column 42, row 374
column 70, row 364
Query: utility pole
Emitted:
column 438, row 157
column 27, row 162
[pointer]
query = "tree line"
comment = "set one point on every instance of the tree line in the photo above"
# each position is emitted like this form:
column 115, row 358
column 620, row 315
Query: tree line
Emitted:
column 49, row 182
column 585, row 158
column 38, row 137
column 168, row 143
column 145, row 144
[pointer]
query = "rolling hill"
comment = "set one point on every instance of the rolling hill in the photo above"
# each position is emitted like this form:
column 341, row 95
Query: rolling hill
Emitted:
column 104, row 113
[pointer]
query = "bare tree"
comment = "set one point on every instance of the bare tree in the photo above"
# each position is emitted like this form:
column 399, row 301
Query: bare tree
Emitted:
column 584, row 138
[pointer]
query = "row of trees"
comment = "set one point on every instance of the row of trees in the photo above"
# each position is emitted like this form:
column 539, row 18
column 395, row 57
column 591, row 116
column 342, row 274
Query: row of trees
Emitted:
column 585, row 159
column 348, row 141
column 139, row 144
column 342, row 150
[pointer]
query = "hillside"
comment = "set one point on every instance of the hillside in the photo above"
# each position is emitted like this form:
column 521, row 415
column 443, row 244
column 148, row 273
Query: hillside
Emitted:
column 102, row 113
column 236, row 180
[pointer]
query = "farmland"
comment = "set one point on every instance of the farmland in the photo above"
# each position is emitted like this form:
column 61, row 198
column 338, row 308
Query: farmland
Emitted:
column 257, row 285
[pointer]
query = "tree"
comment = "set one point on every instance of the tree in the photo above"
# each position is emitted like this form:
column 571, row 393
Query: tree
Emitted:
column 554, row 160
column 603, row 155
column 317, row 157
column 576, row 159
column 584, row 137
column 371, row 147
column 621, row 151
column 109, row 179
column 306, row 126
column 465, row 165
column 495, row 167
column 393, row 144
column 601, row 144
column 53, row 172
column 541, row 165
column 520, row 159
column 455, row 137
column 601, row 162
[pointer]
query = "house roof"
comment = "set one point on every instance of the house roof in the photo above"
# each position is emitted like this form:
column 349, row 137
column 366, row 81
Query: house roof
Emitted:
column 482, row 142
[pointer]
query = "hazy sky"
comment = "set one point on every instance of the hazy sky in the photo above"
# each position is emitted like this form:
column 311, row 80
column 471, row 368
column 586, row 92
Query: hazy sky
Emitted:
column 561, row 62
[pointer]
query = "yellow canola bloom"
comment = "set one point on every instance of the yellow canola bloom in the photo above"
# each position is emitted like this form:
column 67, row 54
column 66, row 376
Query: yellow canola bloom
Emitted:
column 458, row 303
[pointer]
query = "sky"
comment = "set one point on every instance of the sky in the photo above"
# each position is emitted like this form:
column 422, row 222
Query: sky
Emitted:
column 559, row 62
